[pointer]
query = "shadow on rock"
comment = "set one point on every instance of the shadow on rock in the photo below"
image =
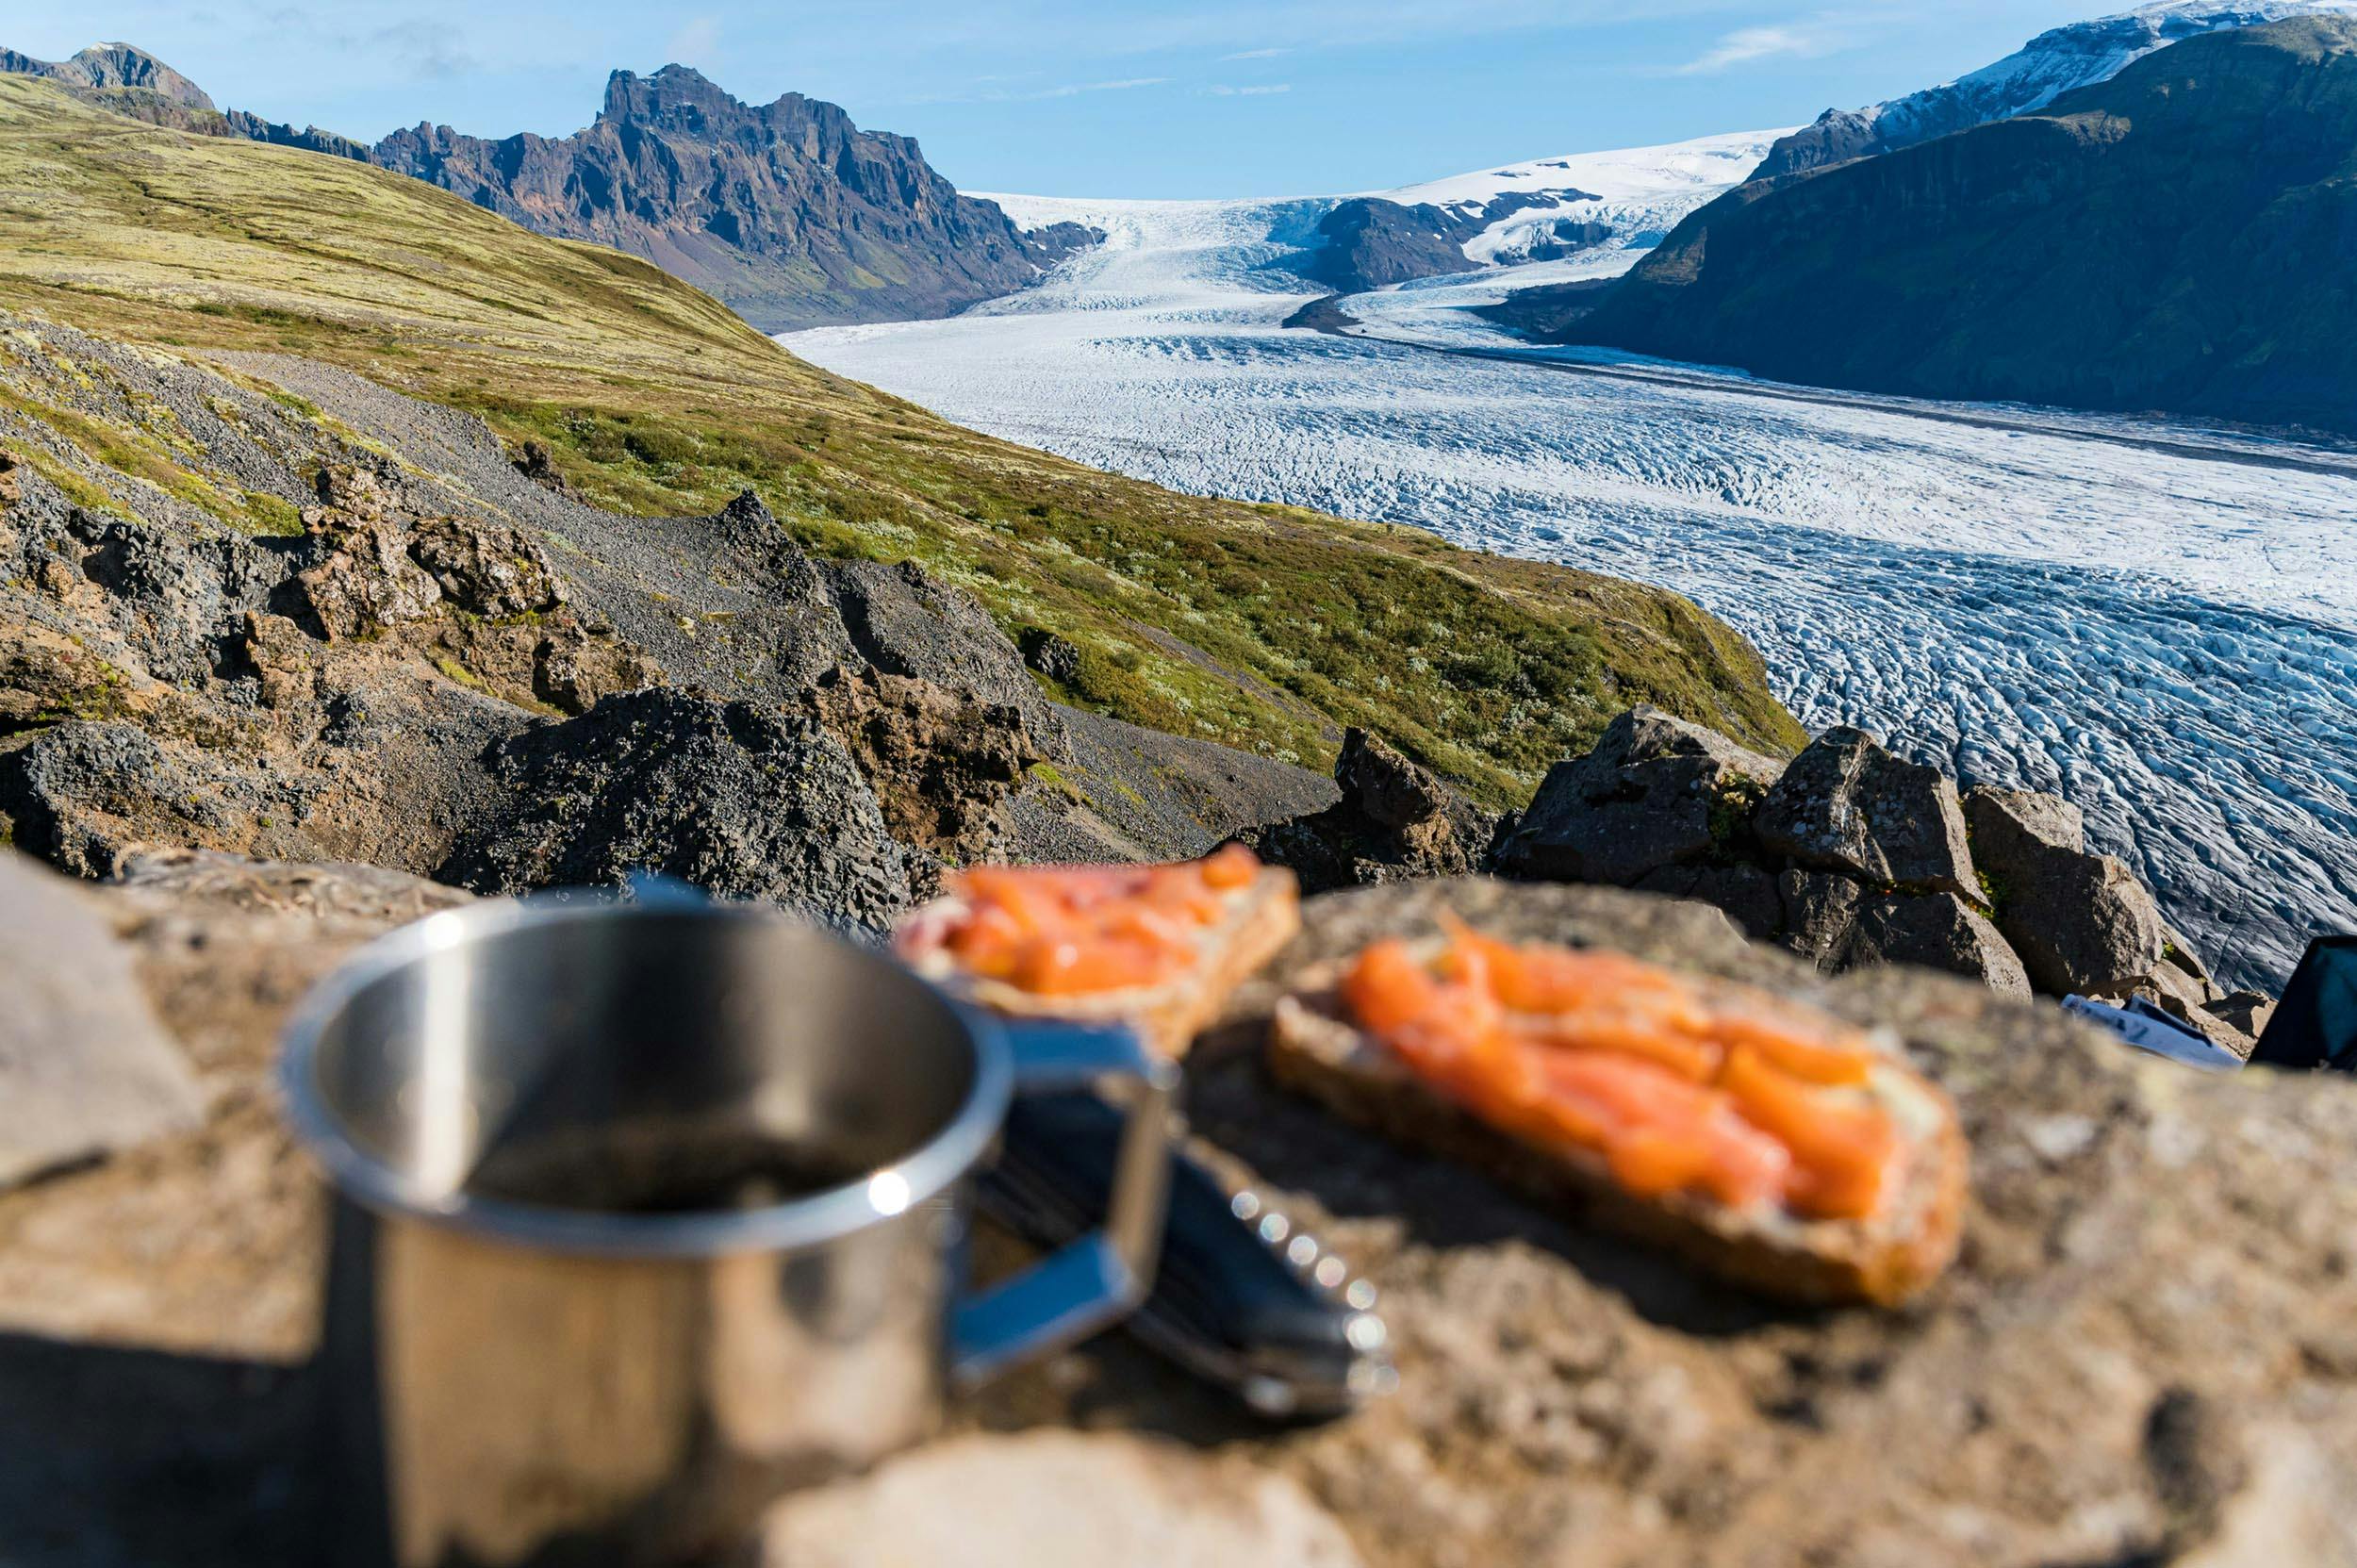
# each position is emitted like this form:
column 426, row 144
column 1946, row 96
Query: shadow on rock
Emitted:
column 130, row 1457
column 1293, row 1145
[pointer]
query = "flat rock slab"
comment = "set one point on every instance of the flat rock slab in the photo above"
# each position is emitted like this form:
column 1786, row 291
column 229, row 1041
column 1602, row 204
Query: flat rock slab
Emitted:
column 85, row 1070
column 1053, row 1499
column 2147, row 1353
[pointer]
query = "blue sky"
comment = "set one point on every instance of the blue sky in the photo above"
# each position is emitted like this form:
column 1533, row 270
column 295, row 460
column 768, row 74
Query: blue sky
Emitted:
column 1069, row 98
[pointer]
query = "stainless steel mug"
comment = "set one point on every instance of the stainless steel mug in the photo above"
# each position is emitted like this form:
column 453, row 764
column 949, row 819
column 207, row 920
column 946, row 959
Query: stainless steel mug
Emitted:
column 646, row 1215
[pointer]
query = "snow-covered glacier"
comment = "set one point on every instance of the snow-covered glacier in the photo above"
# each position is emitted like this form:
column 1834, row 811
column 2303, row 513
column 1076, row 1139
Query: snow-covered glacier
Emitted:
column 2157, row 620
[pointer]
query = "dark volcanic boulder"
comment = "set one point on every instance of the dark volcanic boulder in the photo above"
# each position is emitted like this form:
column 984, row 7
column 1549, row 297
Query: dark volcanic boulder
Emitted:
column 1820, row 909
column 735, row 800
column 1396, row 819
column 1655, row 791
column 1847, row 805
column 1935, row 931
column 2082, row 922
column 82, row 794
column 1058, row 658
column 1747, row 894
column 172, row 597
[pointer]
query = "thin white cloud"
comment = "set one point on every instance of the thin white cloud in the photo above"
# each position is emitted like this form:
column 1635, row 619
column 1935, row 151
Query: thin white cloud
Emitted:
column 429, row 50
column 1256, row 54
column 1033, row 95
column 695, row 42
column 1746, row 46
column 1258, row 90
column 1073, row 90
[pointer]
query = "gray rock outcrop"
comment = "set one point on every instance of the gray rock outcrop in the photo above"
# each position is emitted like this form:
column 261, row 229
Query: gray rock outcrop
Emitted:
column 1938, row 931
column 1846, row 805
column 1853, row 857
column 1396, row 819
column 330, row 684
column 720, row 795
column 82, row 794
column 906, row 622
column 2082, row 922
column 1655, row 791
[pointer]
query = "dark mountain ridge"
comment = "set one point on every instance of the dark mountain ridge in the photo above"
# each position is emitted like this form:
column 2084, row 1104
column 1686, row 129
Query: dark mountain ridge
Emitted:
column 2180, row 239
column 112, row 67
column 788, row 212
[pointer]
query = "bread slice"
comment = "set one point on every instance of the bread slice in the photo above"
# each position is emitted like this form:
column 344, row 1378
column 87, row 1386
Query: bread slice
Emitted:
column 1262, row 916
column 1882, row 1259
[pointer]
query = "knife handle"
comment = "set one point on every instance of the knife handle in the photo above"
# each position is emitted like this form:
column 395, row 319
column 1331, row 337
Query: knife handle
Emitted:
column 1242, row 1297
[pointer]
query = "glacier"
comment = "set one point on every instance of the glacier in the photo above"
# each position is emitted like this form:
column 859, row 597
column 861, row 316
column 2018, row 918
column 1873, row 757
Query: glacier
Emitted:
column 2155, row 620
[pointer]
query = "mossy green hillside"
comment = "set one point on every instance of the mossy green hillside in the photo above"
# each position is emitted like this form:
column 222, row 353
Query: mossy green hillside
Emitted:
column 653, row 398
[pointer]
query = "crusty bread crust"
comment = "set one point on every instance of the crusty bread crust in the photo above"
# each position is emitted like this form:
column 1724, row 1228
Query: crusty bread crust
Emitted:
column 1885, row 1259
column 1265, row 916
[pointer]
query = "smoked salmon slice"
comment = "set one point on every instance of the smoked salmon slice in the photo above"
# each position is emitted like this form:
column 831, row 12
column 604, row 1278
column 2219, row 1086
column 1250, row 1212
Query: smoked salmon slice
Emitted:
column 1676, row 1087
column 1157, row 947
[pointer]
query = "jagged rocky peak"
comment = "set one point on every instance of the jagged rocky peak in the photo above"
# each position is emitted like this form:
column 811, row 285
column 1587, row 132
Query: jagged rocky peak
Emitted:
column 104, row 66
column 683, row 97
column 787, row 211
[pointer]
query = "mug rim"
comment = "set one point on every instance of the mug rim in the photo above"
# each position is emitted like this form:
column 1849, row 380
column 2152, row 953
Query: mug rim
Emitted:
column 811, row 1220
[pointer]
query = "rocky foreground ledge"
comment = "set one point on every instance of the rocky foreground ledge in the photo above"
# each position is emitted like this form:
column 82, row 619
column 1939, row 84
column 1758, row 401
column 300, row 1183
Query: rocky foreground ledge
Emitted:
column 2147, row 1353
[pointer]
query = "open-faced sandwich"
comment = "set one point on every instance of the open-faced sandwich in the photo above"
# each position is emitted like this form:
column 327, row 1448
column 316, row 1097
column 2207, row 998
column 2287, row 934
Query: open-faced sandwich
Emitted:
column 1159, row 947
column 1759, row 1138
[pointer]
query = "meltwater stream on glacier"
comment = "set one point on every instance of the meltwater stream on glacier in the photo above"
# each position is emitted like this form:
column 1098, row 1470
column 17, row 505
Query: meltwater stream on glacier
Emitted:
column 2157, row 620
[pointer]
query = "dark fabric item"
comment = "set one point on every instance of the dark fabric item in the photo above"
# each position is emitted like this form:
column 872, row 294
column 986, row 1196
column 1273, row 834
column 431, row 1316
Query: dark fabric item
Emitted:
column 2316, row 1024
column 2149, row 1029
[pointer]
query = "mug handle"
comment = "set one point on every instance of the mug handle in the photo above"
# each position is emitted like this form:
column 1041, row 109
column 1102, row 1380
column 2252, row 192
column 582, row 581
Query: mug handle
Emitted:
column 1102, row 1277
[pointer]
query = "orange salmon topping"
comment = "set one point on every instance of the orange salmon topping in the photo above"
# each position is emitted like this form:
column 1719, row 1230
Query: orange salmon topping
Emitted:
column 1059, row 931
column 1679, row 1088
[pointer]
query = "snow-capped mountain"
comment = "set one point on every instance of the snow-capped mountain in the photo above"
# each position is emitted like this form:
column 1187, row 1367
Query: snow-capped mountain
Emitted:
column 1624, row 200
column 2079, row 54
column 1540, row 221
